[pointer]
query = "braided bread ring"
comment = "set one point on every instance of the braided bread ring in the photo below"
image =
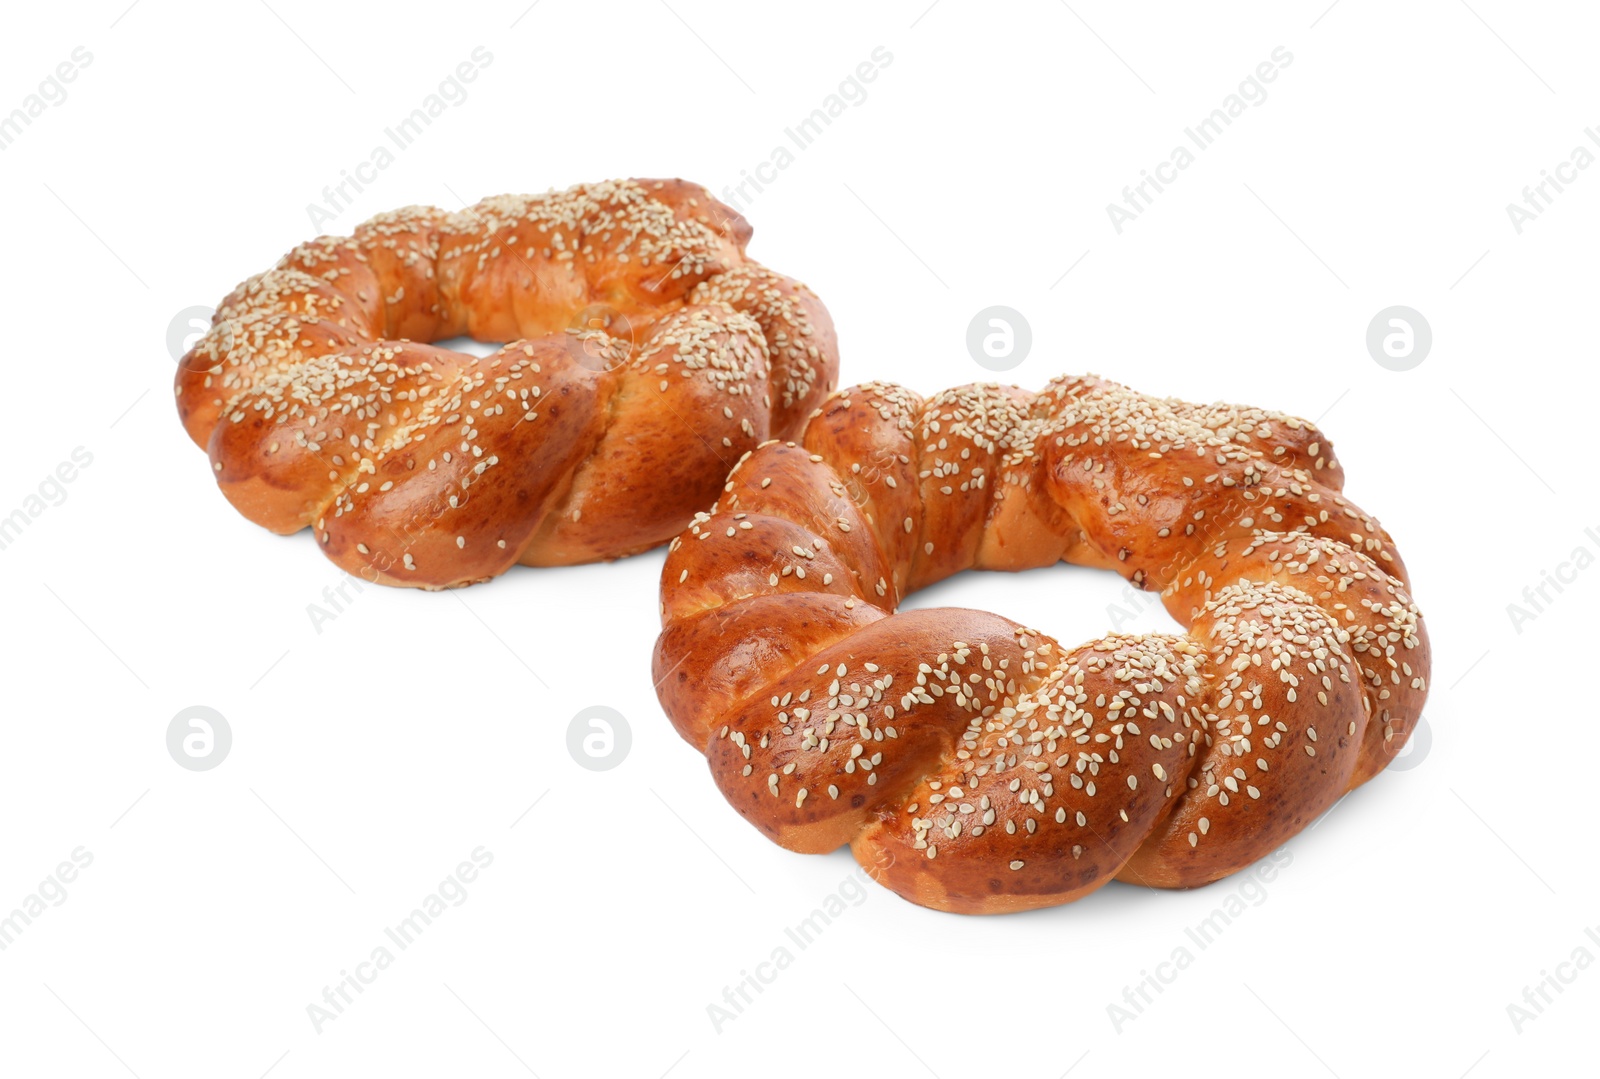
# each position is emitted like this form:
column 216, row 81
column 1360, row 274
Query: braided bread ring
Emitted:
column 977, row 766
column 647, row 353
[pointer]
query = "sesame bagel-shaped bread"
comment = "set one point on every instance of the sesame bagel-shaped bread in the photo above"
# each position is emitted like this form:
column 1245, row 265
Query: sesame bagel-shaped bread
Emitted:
column 646, row 354
column 975, row 765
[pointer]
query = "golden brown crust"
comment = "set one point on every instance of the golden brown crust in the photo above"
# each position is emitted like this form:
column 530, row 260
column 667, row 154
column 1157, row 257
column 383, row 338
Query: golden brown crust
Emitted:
column 646, row 354
column 974, row 764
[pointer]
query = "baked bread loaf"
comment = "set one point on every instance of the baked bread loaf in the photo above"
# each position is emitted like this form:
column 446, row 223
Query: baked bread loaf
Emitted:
column 646, row 354
column 978, row 766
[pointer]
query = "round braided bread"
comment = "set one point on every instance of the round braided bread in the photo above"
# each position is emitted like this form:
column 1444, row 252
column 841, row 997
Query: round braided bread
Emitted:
column 647, row 353
column 975, row 765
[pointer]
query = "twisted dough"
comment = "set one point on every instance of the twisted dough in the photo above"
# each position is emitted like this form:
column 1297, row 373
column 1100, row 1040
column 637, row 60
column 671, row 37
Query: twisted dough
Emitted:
column 647, row 353
column 977, row 766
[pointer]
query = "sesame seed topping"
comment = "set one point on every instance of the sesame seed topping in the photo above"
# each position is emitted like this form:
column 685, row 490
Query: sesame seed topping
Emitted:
column 1005, row 748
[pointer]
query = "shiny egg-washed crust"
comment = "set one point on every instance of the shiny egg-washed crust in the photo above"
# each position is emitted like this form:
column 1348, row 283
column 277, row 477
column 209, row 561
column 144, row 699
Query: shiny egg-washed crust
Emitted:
column 646, row 354
column 977, row 766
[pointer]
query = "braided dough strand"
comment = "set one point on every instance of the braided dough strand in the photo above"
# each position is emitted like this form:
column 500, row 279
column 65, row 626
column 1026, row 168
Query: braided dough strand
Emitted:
column 646, row 354
column 975, row 765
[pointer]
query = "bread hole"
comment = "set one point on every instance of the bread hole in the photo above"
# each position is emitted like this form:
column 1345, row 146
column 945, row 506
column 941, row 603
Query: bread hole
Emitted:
column 470, row 345
column 1068, row 602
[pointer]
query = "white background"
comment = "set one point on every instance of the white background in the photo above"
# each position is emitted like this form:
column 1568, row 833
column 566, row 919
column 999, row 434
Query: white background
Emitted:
column 370, row 758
